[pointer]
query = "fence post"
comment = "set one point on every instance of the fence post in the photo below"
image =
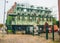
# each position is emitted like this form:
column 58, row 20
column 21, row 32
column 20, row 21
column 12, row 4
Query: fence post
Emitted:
column 53, row 33
column 47, row 33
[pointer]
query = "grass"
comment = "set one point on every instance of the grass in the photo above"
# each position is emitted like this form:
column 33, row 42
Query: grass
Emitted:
column 57, row 41
column 9, row 31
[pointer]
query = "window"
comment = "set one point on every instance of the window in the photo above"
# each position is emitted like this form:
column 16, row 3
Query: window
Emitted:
column 13, row 18
column 50, row 18
column 38, row 20
column 34, row 16
column 32, row 6
column 28, row 16
column 37, row 10
column 25, row 10
column 47, row 19
column 43, row 19
column 39, row 16
column 28, row 10
column 23, row 17
column 21, row 9
column 41, row 11
column 46, row 8
column 17, row 8
column 41, row 7
column 48, row 12
column 18, row 16
column 18, row 13
column 31, row 10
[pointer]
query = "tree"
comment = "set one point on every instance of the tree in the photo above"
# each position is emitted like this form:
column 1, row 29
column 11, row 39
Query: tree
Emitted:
column 9, row 19
column 54, row 21
column 57, row 23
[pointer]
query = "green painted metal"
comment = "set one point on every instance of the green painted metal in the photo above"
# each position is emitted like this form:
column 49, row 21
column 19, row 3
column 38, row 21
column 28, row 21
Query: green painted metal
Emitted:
column 53, row 33
column 47, row 33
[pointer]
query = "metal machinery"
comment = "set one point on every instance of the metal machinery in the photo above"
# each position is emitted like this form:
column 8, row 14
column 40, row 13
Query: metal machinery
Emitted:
column 20, row 17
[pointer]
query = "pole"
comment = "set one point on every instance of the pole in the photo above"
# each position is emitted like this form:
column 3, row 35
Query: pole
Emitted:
column 47, row 33
column 53, row 30
column 59, row 12
column 59, row 16
column 4, row 18
column 4, row 11
column 46, row 27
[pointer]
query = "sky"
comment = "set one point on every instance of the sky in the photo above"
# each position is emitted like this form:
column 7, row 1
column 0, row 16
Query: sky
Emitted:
column 52, row 4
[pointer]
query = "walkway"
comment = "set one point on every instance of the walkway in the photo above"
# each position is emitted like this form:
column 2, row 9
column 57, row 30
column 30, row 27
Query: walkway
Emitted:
column 18, row 38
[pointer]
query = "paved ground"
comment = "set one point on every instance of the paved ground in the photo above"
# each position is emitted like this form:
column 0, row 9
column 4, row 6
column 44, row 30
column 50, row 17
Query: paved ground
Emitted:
column 56, row 36
column 18, row 38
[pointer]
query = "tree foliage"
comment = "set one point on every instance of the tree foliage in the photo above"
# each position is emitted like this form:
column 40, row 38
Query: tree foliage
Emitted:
column 57, row 23
column 54, row 21
column 9, row 19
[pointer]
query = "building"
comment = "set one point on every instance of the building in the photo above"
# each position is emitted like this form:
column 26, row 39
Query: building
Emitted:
column 21, row 16
column 59, row 11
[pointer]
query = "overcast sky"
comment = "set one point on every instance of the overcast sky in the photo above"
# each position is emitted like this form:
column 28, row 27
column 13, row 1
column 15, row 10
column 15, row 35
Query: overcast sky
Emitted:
column 52, row 4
